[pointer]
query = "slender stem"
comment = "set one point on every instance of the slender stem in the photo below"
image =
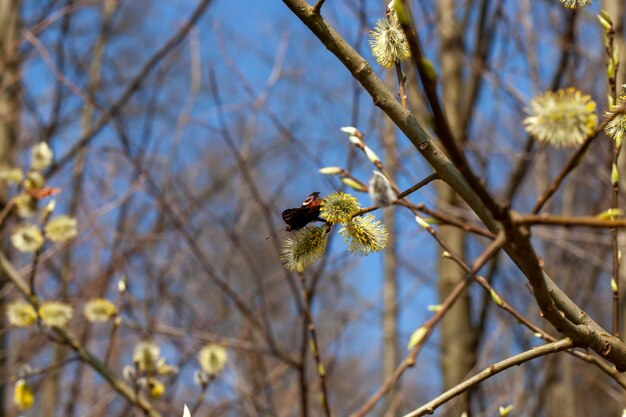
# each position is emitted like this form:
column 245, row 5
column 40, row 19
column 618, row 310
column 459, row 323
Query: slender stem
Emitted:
column 317, row 8
column 6, row 209
column 315, row 347
column 55, row 366
column 419, row 185
column 488, row 372
column 135, row 84
column 617, row 146
column 440, row 120
column 61, row 335
column 303, row 389
column 401, row 85
column 430, row 324
column 114, row 329
column 614, row 242
column 404, row 193
column 552, row 301
column 201, row 397
column 453, row 221
column 568, row 221
column 33, row 270
column 38, row 252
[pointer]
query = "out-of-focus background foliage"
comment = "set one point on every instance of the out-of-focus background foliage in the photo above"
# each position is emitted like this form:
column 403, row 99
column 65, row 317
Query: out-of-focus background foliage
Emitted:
column 178, row 149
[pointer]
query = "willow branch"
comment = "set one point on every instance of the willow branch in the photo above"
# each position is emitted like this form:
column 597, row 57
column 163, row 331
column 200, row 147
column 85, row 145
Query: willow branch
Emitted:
column 441, row 124
column 315, row 348
column 87, row 357
column 568, row 221
column 453, row 221
column 555, row 306
column 430, row 324
column 419, row 185
column 490, row 371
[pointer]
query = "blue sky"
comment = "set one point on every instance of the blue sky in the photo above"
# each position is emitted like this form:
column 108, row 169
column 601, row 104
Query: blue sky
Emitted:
column 313, row 98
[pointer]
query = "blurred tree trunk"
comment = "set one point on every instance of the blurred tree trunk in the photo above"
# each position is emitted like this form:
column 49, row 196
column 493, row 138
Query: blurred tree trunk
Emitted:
column 390, row 284
column 9, row 77
column 616, row 11
column 391, row 353
column 458, row 339
column 9, row 127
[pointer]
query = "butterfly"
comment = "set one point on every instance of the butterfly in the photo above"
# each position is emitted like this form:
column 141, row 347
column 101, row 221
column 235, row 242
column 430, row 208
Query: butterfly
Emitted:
column 297, row 218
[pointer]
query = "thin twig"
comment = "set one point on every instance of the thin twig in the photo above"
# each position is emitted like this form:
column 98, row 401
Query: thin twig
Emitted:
column 6, row 209
column 453, row 221
column 616, row 149
column 317, row 8
column 401, row 84
column 201, row 397
column 552, row 301
column 403, row 194
column 419, row 185
column 429, row 325
column 315, row 347
column 490, row 371
column 133, row 87
column 63, row 336
column 442, row 126
column 55, row 366
column 568, row 221
column 36, row 258
column 114, row 332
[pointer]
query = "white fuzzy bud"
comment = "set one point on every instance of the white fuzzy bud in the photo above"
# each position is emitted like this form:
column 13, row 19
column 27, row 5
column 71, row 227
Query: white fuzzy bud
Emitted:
column 380, row 190
column 129, row 372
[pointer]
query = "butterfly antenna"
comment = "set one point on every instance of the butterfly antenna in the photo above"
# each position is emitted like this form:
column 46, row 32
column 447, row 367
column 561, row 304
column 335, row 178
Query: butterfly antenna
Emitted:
column 274, row 234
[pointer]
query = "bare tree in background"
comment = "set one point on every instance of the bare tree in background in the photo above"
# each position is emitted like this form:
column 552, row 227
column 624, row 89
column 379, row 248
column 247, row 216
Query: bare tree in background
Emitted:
column 171, row 138
column 458, row 337
column 9, row 126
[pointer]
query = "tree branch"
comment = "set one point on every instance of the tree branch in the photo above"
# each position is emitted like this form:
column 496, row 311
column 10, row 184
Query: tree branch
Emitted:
column 65, row 337
column 568, row 221
column 134, row 85
column 552, row 301
column 488, row 372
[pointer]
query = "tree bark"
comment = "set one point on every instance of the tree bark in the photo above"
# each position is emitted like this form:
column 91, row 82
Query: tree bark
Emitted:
column 390, row 283
column 458, row 339
column 9, row 128
column 9, row 79
column 616, row 10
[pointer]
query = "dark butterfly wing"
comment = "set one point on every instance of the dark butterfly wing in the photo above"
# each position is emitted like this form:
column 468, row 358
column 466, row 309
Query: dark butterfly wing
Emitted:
column 311, row 213
column 297, row 218
column 290, row 214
